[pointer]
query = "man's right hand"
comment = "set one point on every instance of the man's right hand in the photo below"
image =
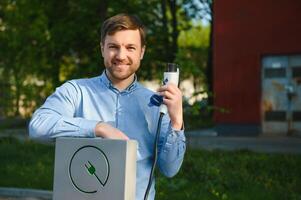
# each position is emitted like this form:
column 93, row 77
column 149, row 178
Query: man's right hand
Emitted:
column 105, row 130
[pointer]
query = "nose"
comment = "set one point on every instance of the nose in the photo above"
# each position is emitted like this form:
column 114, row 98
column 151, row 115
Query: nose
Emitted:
column 121, row 54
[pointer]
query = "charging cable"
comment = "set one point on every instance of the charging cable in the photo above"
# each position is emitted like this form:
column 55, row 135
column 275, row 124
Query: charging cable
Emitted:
column 155, row 153
column 170, row 76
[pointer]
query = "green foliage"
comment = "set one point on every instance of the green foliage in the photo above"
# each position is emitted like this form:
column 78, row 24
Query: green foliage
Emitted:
column 198, row 115
column 234, row 175
column 13, row 123
column 204, row 174
column 45, row 43
column 197, row 37
column 22, row 35
column 27, row 164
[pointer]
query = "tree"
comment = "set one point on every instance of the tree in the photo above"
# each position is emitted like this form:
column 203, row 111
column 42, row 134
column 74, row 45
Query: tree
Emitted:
column 23, row 33
column 203, row 10
column 44, row 43
column 193, row 54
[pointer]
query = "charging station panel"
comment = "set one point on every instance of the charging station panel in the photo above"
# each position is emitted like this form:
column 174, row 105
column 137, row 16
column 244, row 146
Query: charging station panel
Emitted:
column 94, row 168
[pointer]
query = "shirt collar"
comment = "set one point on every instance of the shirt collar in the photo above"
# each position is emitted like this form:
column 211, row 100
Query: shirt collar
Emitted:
column 104, row 78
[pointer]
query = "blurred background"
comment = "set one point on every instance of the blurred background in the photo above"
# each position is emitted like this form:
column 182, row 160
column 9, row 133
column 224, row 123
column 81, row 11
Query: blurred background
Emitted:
column 45, row 43
column 240, row 64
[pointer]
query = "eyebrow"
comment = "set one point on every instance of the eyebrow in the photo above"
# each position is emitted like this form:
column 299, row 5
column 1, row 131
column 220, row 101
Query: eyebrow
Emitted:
column 111, row 43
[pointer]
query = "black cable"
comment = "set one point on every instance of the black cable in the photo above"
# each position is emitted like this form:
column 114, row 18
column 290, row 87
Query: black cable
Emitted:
column 155, row 153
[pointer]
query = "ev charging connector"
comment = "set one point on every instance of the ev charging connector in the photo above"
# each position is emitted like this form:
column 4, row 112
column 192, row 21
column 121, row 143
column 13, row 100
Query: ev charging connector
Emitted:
column 170, row 76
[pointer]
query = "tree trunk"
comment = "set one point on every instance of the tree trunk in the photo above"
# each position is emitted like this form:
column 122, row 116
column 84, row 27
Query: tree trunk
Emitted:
column 209, row 70
column 175, row 32
column 165, row 30
column 102, row 10
column 56, row 72
column 18, row 92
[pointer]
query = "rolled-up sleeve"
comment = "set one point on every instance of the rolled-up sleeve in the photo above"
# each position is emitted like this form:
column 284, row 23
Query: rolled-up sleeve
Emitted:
column 55, row 118
column 172, row 148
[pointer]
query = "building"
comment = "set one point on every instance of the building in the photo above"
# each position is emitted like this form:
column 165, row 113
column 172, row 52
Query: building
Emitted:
column 257, row 67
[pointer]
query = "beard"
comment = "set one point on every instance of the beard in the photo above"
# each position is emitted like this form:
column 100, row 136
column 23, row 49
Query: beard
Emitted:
column 120, row 70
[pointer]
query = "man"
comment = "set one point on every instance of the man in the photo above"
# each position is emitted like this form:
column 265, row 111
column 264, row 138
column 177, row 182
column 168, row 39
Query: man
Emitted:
column 114, row 105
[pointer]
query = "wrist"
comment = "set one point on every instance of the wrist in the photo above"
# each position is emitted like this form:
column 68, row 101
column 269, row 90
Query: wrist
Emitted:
column 98, row 130
column 177, row 125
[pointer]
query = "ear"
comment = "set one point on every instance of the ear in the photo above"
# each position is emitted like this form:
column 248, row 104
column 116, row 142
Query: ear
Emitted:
column 142, row 52
column 101, row 49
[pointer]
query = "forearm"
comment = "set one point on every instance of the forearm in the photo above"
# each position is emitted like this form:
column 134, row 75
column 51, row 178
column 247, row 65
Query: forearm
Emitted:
column 172, row 153
column 47, row 123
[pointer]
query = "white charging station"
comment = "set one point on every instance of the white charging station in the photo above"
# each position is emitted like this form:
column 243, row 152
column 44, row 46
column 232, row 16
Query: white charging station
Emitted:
column 94, row 168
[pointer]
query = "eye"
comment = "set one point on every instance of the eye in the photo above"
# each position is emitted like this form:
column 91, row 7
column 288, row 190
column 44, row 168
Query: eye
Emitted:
column 131, row 48
column 113, row 46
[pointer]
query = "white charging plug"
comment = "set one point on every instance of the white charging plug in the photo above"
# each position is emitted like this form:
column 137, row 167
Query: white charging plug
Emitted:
column 171, row 76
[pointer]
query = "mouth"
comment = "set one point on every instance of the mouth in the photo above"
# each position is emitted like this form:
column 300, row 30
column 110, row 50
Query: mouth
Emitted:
column 120, row 64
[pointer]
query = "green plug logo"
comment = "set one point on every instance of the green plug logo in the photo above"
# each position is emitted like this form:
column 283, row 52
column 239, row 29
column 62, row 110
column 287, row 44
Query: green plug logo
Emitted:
column 91, row 170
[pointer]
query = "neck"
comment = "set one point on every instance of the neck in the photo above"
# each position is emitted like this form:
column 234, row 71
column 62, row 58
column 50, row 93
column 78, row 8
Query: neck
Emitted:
column 121, row 84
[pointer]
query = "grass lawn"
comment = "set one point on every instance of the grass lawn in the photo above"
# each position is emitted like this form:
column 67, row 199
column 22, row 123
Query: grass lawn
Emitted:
column 204, row 174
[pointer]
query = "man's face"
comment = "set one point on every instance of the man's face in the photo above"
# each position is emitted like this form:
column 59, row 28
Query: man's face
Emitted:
column 122, row 53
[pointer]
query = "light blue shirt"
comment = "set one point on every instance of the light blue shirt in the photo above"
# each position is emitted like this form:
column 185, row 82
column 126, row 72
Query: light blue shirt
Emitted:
column 77, row 106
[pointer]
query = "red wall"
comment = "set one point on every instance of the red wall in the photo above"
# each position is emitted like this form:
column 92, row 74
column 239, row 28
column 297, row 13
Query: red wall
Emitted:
column 244, row 31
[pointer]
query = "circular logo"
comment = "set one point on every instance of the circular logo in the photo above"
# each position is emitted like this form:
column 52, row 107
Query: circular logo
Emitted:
column 89, row 169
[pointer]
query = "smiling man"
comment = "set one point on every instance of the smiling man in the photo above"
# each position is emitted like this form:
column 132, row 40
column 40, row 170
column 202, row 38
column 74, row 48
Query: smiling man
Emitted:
column 122, row 53
column 115, row 106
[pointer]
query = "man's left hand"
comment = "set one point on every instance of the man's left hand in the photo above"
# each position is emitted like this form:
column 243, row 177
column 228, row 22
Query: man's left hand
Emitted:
column 172, row 98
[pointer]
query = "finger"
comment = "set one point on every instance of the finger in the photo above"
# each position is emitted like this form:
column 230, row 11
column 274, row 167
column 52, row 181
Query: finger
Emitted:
column 167, row 102
column 126, row 137
column 167, row 94
column 119, row 137
column 162, row 88
column 174, row 89
column 123, row 136
column 170, row 87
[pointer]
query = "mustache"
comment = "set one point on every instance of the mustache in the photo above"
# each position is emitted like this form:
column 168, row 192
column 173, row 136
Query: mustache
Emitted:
column 122, row 62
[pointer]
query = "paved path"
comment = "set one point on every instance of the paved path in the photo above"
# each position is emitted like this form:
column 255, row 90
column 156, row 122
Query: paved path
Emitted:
column 24, row 194
column 208, row 139
column 20, row 198
column 20, row 133
column 257, row 144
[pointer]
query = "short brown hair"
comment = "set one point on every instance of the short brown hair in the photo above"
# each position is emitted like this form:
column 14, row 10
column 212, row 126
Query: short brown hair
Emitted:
column 122, row 22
